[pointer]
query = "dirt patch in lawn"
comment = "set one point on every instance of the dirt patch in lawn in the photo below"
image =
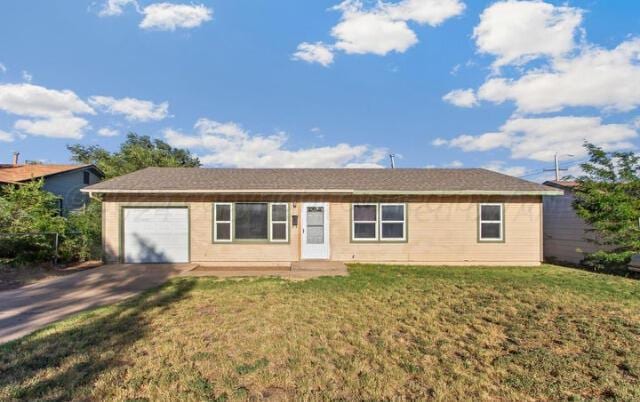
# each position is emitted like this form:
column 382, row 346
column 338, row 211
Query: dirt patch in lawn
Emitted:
column 382, row 333
column 15, row 277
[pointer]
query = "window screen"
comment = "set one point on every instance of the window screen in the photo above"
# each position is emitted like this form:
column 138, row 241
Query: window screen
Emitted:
column 279, row 222
column 251, row 221
column 365, row 221
column 392, row 221
column 491, row 222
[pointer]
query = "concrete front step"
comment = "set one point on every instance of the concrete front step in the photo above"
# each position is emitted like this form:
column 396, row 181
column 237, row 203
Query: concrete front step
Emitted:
column 204, row 268
column 318, row 265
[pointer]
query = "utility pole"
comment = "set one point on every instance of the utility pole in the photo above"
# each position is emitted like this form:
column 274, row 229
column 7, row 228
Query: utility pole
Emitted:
column 557, row 167
column 392, row 157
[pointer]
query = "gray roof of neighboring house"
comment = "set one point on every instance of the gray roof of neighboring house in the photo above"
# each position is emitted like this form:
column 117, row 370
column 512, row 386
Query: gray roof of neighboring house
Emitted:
column 341, row 181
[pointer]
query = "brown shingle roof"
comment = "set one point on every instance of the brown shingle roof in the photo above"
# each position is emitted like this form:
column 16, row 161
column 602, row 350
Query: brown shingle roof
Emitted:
column 20, row 173
column 562, row 184
column 407, row 181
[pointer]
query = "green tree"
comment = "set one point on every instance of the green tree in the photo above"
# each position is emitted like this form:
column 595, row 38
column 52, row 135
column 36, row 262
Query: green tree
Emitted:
column 137, row 152
column 82, row 237
column 608, row 198
column 26, row 213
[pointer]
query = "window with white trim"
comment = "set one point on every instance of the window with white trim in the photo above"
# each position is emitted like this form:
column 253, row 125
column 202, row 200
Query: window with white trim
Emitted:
column 279, row 222
column 491, row 222
column 222, row 224
column 392, row 222
column 250, row 221
column 364, row 222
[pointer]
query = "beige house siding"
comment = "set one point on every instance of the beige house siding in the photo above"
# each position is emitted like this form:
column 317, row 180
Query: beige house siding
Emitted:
column 565, row 234
column 440, row 230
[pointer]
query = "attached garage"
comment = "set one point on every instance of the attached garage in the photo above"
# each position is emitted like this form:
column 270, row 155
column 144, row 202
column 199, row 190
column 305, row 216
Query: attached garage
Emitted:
column 155, row 235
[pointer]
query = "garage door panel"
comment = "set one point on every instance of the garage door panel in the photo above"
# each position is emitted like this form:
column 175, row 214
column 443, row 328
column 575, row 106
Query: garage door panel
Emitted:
column 155, row 235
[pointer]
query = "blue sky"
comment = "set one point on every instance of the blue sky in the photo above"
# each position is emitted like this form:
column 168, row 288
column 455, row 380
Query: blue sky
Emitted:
column 441, row 83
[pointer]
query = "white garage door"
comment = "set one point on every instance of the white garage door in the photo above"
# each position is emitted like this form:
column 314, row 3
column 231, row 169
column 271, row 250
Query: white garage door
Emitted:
column 156, row 235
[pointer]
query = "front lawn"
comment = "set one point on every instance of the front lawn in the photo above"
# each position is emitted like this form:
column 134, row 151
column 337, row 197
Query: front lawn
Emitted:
column 381, row 333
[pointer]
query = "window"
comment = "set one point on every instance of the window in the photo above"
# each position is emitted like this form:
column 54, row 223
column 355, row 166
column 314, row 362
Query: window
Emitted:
column 222, row 224
column 491, row 224
column 392, row 222
column 279, row 222
column 365, row 222
column 378, row 222
column 260, row 221
column 86, row 177
column 251, row 221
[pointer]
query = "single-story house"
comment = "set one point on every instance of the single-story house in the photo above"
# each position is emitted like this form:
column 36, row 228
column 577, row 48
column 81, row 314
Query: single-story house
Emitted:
column 65, row 181
column 567, row 237
column 274, row 217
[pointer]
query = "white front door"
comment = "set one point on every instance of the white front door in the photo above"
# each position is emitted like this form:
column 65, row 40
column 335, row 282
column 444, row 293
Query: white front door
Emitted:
column 315, row 230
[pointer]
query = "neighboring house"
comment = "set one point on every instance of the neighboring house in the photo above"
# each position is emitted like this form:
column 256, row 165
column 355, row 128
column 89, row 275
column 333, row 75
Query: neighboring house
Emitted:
column 273, row 217
column 567, row 238
column 65, row 181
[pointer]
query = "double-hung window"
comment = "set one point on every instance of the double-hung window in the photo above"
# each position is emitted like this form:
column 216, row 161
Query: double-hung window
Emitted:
column 222, row 224
column 279, row 222
column 491, row 222
column 365, row 222
column 251, row 221
column 378, row 222
column 392, row 222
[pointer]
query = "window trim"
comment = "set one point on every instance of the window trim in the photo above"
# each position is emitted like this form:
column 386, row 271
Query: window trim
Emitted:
column 285, row 221
column 501, row 239
column 216, row 221
column 404, row 222
column 353, row 223
column 234, row 240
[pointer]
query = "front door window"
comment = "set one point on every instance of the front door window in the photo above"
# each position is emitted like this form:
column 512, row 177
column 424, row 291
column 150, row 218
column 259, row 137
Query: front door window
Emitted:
column 315, row 225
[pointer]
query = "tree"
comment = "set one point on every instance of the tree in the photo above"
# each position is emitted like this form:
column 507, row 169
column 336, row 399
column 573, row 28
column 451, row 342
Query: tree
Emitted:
column 608, row 198
column 137, row 152
column 28, row 217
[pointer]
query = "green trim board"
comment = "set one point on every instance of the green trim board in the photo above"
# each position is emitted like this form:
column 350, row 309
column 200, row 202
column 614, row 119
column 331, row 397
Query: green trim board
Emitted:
column 378, row 239
column 234, row 240
column 121, row 224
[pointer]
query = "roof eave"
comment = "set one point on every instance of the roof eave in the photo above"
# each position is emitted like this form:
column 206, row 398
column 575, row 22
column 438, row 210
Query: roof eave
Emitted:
column 332, row 191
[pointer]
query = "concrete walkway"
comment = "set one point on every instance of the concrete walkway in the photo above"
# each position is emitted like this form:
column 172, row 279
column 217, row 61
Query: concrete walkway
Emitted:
column 32, row 307
column 298, row 271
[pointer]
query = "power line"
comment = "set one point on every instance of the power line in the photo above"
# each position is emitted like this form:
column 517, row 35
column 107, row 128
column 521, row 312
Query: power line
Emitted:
column 539, row 171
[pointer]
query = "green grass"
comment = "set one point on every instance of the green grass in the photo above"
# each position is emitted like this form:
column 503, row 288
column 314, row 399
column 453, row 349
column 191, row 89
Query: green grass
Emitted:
column 382, row 333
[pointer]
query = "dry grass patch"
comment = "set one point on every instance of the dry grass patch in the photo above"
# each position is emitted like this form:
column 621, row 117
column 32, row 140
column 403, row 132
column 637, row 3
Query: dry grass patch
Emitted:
column 381, row 333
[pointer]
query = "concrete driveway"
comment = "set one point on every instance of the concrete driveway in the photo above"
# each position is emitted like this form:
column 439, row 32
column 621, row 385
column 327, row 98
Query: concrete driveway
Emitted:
column 32, row 307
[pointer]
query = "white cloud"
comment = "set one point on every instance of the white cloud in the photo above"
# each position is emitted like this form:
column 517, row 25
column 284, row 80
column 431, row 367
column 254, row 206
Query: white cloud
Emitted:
column 384, row 28
column 169, row 16
column 501, row 167
column 314, row 53
column 54, row 127
column 108, row 132
column 27, row 76
column 596, row 77
column 431, row 12
column 36, row 101
column 540, row 138
column 519, row 31
column 228, row 144
column 438, row 142
column 5, row 136
column 455, row 164
column 461, row 98
column 133, row 109
column 375, row 32
column 115, row 7
column 3, row 68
